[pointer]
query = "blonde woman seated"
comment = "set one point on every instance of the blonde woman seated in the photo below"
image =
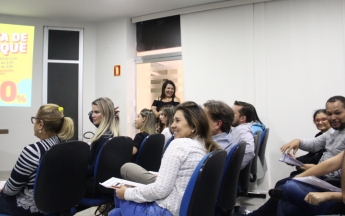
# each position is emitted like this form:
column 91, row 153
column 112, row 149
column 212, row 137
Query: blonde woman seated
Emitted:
column 145, row 123
column 104, row 118
column 163, row 197
column 51, row 127
column 166, row 116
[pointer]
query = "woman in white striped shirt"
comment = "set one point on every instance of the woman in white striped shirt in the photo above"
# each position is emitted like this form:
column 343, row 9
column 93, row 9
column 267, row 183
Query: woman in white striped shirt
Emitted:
column 51, row 127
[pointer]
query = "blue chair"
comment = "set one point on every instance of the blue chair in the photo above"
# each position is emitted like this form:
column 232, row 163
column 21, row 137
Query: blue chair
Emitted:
column 227, row 192
column 61, row 178
column 253, row 170
column 262, row 165
column 255, row 165
column 201, row 193
column 150, row 152
column 113, row 154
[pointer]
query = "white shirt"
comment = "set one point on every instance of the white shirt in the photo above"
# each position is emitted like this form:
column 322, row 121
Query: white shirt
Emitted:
column 167, row 134
column 178, row 165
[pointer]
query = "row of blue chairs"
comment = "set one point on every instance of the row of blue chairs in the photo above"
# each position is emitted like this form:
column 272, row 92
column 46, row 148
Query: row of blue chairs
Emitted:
column 62, row 175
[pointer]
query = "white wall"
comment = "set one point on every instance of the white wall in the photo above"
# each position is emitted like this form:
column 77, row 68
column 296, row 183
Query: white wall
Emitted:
column 17, row 119
column 285, row 57
column 116, row 46
column 106, row 44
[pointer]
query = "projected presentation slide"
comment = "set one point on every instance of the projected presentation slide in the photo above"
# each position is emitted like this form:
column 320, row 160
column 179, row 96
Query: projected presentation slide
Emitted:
column 16, row 54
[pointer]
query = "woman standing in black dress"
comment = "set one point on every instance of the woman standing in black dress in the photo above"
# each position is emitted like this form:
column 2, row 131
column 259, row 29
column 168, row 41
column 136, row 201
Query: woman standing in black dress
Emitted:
column 167, row 97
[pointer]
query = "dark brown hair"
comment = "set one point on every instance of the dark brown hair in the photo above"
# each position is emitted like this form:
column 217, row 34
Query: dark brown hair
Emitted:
column 197, row 119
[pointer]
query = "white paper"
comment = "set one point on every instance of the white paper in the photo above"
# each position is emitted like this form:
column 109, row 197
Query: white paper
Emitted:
column 290, row 160
column 2, row 184
column 114, row 182
column 312, row 180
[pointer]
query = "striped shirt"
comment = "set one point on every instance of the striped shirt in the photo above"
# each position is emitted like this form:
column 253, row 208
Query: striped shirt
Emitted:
column 22, row 179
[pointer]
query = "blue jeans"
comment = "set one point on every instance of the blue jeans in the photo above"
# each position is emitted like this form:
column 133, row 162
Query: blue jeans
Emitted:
column 270, row 207
column 129, row 208
column 293, row 202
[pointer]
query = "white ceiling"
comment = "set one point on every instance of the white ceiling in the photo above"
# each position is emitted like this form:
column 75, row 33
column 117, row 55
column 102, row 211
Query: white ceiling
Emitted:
column 92, row 10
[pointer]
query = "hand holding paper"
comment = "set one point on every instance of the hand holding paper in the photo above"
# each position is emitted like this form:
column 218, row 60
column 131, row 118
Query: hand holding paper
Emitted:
column 312, row 180
column 117, row 182
column 286, row 158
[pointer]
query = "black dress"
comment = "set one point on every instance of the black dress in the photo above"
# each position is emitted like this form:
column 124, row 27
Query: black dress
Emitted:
column 138, row 139
column 159, row 103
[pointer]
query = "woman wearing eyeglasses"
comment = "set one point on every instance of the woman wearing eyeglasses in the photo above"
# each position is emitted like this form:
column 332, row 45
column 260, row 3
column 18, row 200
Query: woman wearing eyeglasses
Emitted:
column 321, row 121
column 51, row 127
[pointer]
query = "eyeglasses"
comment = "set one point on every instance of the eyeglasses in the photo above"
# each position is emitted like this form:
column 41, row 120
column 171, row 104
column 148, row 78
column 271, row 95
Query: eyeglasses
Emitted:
column 33, row 120
column 320, row 119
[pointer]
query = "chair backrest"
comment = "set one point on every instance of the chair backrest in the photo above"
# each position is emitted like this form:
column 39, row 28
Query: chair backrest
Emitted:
column 150, row 152
column 201, row 192
column 254, row 168
column 61, row 177
column 262, row 148
column 227, row 192
column 114, row 153
column 168, row 143
column 243, row 180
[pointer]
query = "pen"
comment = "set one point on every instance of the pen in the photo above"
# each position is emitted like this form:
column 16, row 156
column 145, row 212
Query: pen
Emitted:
column 114, row 185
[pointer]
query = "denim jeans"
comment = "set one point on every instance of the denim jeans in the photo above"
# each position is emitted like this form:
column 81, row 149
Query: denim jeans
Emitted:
column 129, row 208
column 270, row 207
column 293, row 202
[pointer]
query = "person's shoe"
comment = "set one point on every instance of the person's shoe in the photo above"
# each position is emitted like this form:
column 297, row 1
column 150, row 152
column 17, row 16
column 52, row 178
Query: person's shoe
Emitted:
column 276, row 194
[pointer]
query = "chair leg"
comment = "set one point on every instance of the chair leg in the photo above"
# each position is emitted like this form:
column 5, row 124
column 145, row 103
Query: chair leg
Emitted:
column 256, row 195
column 239, row 210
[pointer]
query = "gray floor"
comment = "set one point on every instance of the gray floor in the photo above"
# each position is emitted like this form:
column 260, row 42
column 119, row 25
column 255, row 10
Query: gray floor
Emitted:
column 250, row 203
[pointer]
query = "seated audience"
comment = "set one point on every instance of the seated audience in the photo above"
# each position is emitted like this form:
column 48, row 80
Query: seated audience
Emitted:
column 166, row 116
column 257, row 124
column 333, row 141
column 320, row 119
column 145, row 123
column 242, row 129
column 220, row 116
column 302, row 199
column 51, row 127
column 192, row 142
column 103, row 116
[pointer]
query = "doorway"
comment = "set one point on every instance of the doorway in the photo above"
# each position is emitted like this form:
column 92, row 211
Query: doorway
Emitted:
column 150, row 77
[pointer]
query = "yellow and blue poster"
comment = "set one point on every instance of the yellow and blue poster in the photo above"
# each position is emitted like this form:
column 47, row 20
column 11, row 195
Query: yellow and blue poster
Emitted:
column 16, row 55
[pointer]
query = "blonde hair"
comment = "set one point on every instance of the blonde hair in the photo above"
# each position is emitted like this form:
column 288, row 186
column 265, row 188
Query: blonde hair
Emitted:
column 55, row 122
column 150, row 121
column 109, row 123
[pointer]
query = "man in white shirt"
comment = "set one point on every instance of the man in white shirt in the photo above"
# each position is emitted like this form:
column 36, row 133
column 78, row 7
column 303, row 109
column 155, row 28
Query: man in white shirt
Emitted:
column 221, row 117
column 242, row 129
